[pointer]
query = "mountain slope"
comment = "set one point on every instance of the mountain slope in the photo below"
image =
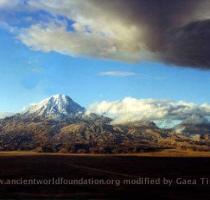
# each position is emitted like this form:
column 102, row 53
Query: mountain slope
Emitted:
column 94, row 135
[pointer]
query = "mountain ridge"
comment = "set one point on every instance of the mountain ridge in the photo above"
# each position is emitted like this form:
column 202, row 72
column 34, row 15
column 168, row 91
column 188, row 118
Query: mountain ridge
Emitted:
column 58, row 124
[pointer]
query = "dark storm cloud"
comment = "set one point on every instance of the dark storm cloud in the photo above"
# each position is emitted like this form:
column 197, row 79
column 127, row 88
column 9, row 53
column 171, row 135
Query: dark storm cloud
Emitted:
column 189, row 45
column 174, row 29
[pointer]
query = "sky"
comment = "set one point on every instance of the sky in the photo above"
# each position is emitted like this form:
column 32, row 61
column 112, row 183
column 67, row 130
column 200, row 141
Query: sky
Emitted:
column 91, row 52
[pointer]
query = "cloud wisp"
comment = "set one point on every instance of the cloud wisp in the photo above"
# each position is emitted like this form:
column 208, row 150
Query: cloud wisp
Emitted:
column 117, row 74
column 8, row 4
column 131, row 109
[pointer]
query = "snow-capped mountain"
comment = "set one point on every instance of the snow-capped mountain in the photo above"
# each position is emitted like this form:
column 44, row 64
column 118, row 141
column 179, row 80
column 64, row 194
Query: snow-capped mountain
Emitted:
column 58, row 124
column 56, row 106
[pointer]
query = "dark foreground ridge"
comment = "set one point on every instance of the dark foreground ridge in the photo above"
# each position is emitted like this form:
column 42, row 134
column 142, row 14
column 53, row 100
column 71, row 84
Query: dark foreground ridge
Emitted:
column 103, row 177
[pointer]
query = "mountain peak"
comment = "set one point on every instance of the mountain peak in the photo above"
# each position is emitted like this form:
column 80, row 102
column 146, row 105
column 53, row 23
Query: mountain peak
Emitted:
column 55, row 106
column 59, row 96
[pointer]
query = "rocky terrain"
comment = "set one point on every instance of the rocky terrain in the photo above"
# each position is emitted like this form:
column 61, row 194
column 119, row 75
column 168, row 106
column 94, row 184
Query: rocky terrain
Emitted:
column 58, row 124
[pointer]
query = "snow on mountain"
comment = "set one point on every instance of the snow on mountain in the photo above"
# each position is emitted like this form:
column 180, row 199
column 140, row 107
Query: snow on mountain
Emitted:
column 55, row 107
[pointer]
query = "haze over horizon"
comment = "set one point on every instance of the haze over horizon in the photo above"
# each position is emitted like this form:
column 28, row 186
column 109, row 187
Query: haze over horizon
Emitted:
column 91, row 52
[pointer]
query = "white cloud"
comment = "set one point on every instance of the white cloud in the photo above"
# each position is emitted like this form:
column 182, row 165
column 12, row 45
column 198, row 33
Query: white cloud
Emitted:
column 55, row 37
column 105, row 36
column 117, row 73
column 132, row 109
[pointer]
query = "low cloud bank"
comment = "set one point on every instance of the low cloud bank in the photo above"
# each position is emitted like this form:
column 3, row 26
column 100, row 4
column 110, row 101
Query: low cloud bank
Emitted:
column 131, row 109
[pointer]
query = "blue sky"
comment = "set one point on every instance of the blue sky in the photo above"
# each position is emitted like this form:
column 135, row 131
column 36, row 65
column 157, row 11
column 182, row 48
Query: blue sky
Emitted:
column 28, row 75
